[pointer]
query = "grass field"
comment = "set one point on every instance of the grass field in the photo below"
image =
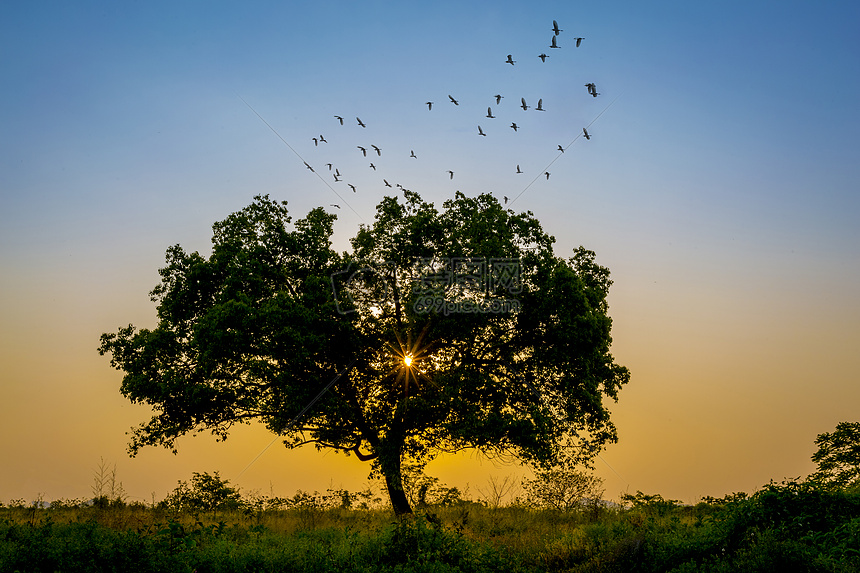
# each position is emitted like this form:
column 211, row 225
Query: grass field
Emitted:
column 793, row 526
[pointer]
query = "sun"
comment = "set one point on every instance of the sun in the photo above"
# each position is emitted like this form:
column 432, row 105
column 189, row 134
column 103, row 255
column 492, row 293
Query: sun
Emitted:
column 406, row 357
column 406, row 366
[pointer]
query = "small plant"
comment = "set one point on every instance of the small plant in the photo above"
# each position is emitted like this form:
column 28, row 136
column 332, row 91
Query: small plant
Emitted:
column 107, row 490
column 424, row 491
column 498, row 490
column 367, row 498
column 563, row 489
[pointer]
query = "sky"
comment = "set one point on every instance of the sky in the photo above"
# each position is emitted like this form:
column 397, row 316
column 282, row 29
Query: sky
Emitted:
column 719, row 186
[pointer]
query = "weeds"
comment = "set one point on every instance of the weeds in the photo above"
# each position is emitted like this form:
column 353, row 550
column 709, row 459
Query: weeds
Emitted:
column 793, row 526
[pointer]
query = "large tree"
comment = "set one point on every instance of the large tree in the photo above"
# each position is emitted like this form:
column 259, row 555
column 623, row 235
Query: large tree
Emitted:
column 440, row 331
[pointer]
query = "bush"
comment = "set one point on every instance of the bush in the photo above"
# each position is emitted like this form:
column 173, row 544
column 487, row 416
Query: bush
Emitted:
column 650, row 505
column 206, row 493
column 563, row 490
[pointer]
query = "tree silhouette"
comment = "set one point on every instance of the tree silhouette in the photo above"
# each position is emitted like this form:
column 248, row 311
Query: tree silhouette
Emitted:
column 838, row 455
column 440, row 331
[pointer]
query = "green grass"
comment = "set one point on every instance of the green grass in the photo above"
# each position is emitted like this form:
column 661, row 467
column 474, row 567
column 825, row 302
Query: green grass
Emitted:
column 786, row 527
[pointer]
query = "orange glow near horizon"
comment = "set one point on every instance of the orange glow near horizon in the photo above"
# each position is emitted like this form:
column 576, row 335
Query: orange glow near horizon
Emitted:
column 732, row 243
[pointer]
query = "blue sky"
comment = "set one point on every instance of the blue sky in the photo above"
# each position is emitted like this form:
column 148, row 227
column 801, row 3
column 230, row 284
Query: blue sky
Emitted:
column 720, row 187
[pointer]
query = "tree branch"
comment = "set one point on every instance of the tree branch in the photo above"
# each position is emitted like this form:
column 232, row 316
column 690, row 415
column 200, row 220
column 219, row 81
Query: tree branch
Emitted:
column 360, row 456
column 354, row 449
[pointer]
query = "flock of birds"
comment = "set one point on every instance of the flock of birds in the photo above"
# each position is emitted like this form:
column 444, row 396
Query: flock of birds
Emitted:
column 375, row 152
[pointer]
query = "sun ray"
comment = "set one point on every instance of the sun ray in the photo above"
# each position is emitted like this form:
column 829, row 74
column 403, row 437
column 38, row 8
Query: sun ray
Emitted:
column 405, row 358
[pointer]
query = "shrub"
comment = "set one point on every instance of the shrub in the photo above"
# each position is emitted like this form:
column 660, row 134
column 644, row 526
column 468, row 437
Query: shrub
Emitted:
column 563, row 490
column 206, row 493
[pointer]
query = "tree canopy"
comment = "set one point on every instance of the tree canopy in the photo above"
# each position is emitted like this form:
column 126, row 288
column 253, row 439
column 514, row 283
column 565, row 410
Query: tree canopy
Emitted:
column 441, row 330
column 838, row 455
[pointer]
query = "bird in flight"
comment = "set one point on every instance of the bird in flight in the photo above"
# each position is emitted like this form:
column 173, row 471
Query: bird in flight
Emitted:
column 498, row 98
column 360, row 122
column 315, row 141
column 372, row 166
column 554, row 45
column 336, row 178
column 451, row 173
column 518, row 169
column 351, row 186
column 555, row 28
column 592, row 89
column 578, row 41
column 455, row 102
column 309, row 167
column 334, row 205
column 339, row 118
column 490, row 113
column 540, row 106
column 429, row 105
column 336, row 172
column 481, row 131
column 510, row 61
column 412, row 154
column 560, row 148
column 585, row 133
column 506, row 199
column 514, row 126
column 377, row 150
column 363, row 150
column 322, row 139
column 543, row 57
column 328, row 165
column 524, row 106
column 387, row 184
column 547, row 175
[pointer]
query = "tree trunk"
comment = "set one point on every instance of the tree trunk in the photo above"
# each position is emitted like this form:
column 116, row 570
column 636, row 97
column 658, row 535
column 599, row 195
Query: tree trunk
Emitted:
column 390, row 464
column 398, row 497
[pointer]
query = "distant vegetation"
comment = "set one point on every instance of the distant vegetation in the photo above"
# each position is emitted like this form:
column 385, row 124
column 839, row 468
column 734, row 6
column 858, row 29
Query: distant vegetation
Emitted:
column 557, row 524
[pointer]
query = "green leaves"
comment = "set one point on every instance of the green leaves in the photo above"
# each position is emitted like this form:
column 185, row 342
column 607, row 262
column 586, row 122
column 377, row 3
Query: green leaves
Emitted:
column 206, row 493
column 232, row 325
column 509, row 344
column 838, row 455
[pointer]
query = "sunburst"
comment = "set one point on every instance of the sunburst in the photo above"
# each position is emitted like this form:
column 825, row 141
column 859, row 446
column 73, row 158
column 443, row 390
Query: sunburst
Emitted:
column 408, row 359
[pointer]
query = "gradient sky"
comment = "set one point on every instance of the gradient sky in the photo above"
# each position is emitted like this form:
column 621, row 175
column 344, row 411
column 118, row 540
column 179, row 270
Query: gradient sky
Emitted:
column 721, row 187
